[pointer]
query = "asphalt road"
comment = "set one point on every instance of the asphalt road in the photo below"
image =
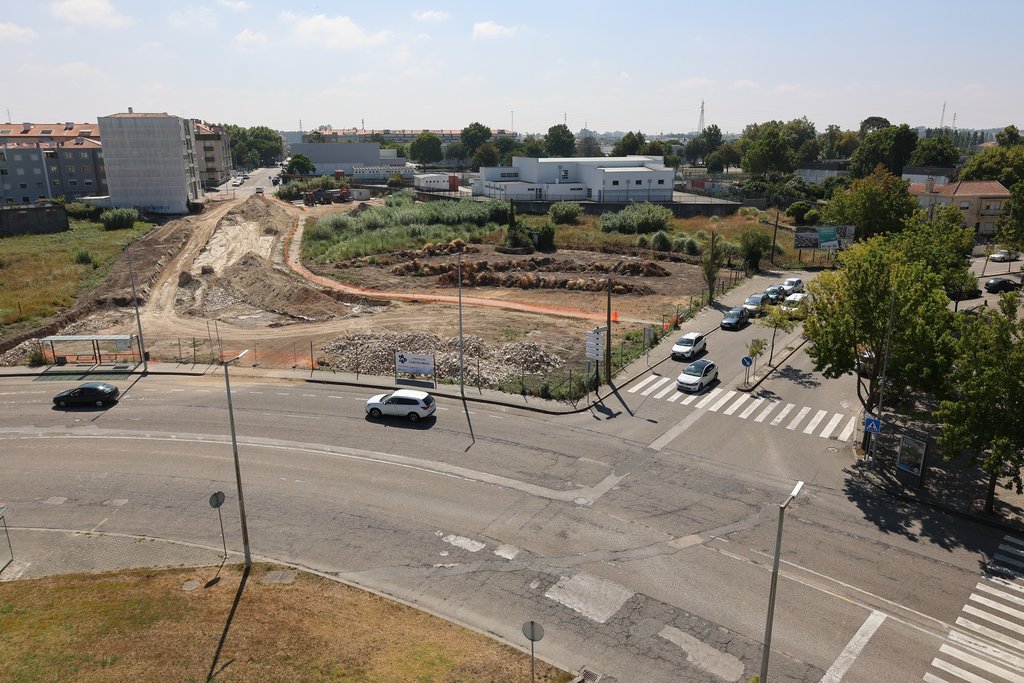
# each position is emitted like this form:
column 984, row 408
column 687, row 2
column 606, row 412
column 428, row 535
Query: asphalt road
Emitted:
column 640, row 534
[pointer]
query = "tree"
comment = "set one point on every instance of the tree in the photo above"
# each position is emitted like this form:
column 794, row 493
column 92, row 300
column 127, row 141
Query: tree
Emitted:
column 474, row 135
column 938, row 151
column 755, row 347
column 455, row 151
column 588, row 146
column 891, row 146
column 809, row 152
column 850, row 311
column 694, row 150
column 754, row 242
column 713, row 162
column 533, row 147
column 729, row 154
column 1008, row 137
column 777, row 320
column 876, row 205
column 799, row 132
column 872, row 124
column 426, row 148
column 559, row 142
column 300, row 164
column 1005, row 164
column 943, row 244
column 378, row 138
column 981, row 416
column 769, row 153
column 847, row 145
column 252, row 147
column 1010, row 226
column 712, row 138
column 711, row 263
column 828, row 142
column 486, row 155
column 631, row 143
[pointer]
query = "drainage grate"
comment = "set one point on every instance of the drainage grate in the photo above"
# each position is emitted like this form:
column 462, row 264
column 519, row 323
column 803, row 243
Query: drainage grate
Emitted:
column 588, row 676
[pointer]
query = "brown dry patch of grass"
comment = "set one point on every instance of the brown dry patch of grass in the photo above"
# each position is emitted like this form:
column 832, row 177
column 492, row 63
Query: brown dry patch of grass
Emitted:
column 141, row 626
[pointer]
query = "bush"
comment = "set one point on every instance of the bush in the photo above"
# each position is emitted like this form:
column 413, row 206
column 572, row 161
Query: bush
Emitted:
column 661, row 241
column 82, row 257
column 395, row 180
column 518, row 238
column 546, row 237
column 692, row 247
column 35, row 357
column 642, row 241
column 679, row 244
column 798, row 211
column 82, row 210
column 636, row 218
column 319, row 231
column 812, row 217
column 566, row 213
column 119, row 219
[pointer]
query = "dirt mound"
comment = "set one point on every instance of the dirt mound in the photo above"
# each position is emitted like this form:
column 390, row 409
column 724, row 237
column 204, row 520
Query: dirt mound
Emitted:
column 255, row 281
column 535, row 264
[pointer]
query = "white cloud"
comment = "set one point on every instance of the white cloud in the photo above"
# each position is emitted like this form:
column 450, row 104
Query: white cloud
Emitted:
column 331, row 32
column 193, row 18
column 66, row 70
column 15, row 33
column 249, row 39
column 743, row 83
column 490, row 29
column 98, row 13
column 787, row 87
column 236, row 5
column 430, row 15
column 624, row 77
column 696, row 83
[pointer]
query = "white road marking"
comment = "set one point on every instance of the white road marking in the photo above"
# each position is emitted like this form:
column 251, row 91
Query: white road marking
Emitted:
column 310, row 395
column 203, row 391
column 670, row 387
column 332, row 396
column 785, row 411
column 677, row 429
column 509, row 552
column 981, row 664
column 848, row 429
column 654, row 387
column 999, row 654
column 251, row 392
column 176, row 390
column 958, row 672
column 853, row 648
column 719, row 664
column 984, row 587
column 932, row 678
column 1005, row 623
column 740, row 401
column 709, row 398
column 815, row 421
column 1013, row 539
column 304, row 417
column 1009, row 560
column 689, row 399
column 595, row 598
column 1013, row 550
column 998, row 606
column 749, row 410
column 676, row 396
column 799, row 416
column 832, row 424
column 282, row 393
column 767, row 409
column 640, row 385
column 989, row 633
column 722, row 401
column 1006, row 584
column 464, row 543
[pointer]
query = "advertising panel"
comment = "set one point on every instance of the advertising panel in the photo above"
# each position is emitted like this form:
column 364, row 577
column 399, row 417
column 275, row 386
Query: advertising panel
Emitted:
column 824, row 237
column 414, row 363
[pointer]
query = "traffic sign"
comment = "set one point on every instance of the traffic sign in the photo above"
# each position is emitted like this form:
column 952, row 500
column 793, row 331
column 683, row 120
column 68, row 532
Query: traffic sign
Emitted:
column 747, row 361
column 872, row 424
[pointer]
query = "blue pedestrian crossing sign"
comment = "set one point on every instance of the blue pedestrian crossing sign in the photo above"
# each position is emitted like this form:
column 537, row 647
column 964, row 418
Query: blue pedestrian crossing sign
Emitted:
column 747, row 361
column 872, row 424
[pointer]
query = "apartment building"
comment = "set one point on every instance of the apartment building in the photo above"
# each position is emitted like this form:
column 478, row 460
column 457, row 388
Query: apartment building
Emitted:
column 150, row 161
column 214, row 147
column 980, row 201
column 13, row 134
column 34, row 171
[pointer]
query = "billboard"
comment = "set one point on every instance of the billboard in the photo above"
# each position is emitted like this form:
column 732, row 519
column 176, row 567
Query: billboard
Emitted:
column 414, row 363
column 824, row 237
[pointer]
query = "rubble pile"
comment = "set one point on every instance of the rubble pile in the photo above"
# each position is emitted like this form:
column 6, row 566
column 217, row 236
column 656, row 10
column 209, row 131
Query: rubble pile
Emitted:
column 412, row 265
column 373, row 353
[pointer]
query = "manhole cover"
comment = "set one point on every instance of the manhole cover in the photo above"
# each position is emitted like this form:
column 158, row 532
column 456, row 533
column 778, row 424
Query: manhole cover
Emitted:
column 832, row 449
column 190, row 585
column 580, row 501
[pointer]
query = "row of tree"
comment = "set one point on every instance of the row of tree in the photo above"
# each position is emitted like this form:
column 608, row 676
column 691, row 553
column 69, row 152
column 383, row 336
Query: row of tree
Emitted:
column 254, row 147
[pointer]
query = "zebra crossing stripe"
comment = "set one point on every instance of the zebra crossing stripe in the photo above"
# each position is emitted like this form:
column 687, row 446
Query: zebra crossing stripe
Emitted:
column 654, row 386
column 670, row 387
column 785, row 411
column 848, row 429
column 998, row 606
column 722, row 401
column 985, row 588
column 1006, row 584
column 740, row 401
column 1013, row 539
column 998, row 621
column 1013, row 550
column 689, row 399
column 815, row 421
column 1008, row 560
column 932, row 678
column 640, row 385
column 832, row 424
column 997, row 653
column 710, row 397
column 989, row 633
column 958, row 672
column 767, row 409
column 799, row 416
column 981, row 664
column 751, row 408
column 674, row 397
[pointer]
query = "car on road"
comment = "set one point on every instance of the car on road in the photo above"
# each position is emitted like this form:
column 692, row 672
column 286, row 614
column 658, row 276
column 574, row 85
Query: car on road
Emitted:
column 259, row 190
column 756, row 304
column 794, row 305
column 88, row 394
column 237, row 182
column 1000, row 284
column 735, row 318
column 1004, row 255
column 408, row 403
column 793, row 285
column 775, row 294
column 245, row 176
column 689, row 345
column 697, row 375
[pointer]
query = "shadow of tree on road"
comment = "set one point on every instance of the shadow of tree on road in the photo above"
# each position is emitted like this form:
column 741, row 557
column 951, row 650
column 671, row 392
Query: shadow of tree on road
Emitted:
column 797, row 376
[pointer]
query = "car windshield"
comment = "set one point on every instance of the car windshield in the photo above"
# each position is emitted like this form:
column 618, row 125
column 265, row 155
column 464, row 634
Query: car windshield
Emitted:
column 695, row 369
column 756, row 299
column 685, row 341
column 734, row 313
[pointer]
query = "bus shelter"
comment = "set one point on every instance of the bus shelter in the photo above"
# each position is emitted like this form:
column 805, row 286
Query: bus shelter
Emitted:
column 91, row 349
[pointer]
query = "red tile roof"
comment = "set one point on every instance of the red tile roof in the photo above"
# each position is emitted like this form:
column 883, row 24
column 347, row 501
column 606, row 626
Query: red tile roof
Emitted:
column 962, row 188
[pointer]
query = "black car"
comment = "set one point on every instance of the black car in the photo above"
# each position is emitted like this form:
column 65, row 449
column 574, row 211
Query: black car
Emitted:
column 88, row 394
column 775, row 294
column 999, row 284
column 735, row 318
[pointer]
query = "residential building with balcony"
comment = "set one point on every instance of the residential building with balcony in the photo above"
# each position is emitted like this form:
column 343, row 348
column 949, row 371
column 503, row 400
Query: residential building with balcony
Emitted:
column 213, row 146
column 34, row 171
column 14, row 133
column 980, row 201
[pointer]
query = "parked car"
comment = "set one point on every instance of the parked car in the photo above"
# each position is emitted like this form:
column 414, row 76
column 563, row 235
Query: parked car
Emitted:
column 259, row 190
column 794, row 305
column 756, row 304
column 1004, row 255
column 697, row 375
column 245, row 176
column 88, row 394
column 408, row 403
column 1000, row 284
column 775, row 294
column 735, row 318
column 793, row 285
column 689, row 345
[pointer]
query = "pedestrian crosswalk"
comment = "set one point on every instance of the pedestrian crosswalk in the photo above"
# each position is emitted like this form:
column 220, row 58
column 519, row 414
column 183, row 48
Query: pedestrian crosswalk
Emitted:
column 744, row 406
column 986, row 644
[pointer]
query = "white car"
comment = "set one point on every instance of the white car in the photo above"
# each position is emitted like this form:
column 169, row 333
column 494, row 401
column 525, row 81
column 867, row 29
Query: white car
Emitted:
column 697, row 375
column 793, row 305
column 1004, row 255
column 793, row 285
column 408, row 403
column 689, row 345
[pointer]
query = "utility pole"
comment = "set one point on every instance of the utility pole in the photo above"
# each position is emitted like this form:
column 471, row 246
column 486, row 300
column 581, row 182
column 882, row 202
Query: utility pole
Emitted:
column 462, row 363
column 775, row 236
column 138, row 319
column 608, row 335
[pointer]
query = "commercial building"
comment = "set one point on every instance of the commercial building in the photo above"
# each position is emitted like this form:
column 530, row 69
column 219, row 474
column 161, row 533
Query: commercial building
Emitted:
column 34, row 171
column 214, row 145
column 329, row 158
column 391, row 135
column 635, row 178
column 150, row 161
column 980, row 201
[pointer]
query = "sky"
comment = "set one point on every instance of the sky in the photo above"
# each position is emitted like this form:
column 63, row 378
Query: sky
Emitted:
column 523, row 64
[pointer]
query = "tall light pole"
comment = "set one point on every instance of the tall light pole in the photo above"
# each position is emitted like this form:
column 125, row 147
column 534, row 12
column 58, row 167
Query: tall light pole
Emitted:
column 234, row 451
column 775, row 580
column 462, row 360
column 138, row 319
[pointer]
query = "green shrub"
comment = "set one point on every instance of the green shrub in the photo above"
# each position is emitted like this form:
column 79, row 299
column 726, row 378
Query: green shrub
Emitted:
column 518, row 237
column 319, row 231
column 395, row 180
column 692, row 247
column 119, row 219
column 642, row 241
column 636, row 218
column 82, row 210
column 679, row 244
column 35, row 357
column 83, row 257
column 812, row 217
column 566, row 213
column 661, row 241
column 701, row 235
column 798, row 211
column 546, row 237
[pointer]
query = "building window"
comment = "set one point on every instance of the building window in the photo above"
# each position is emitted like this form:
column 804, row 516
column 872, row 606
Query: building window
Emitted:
column 3, row 156
column 39, row 185
column 17, row 157
column 964, row 206
column 638, row 182
column 615, row 182
column 3, row 171
column 661, row 181
column 37, row 171
column 56, row 183
column 20, row 171
column 83, row 155
column 86, row 169
column 23, row 186
column 565, row 174
column 72, row 183
column 88, row 183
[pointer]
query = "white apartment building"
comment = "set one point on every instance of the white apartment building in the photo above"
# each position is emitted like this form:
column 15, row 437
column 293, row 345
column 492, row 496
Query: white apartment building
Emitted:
column 636, row 178
column 150, row 161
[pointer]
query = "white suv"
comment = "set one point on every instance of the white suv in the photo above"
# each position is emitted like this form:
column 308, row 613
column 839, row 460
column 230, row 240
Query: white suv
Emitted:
column 689, row 345
column 403, row 403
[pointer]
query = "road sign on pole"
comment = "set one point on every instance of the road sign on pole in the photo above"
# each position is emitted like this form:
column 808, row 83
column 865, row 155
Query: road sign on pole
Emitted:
column 747, row 361
column 872, row 424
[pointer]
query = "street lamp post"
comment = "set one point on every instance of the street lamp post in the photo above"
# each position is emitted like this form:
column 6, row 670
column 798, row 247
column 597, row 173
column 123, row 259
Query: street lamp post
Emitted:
column 138, row 318
column 462, row 359
column 234, row 451
column 775, row 580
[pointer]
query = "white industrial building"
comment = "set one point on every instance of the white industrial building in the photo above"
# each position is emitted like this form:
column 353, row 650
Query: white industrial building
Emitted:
column 150, row 161
column 347, row 157
column 636, row 178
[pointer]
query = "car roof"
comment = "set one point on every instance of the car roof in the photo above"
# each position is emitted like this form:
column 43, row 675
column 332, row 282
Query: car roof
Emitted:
column 754, row 296
column 702, row 363
column 796, row 296
column 691, row 335
column 738, row 310
column 410, row 393
column 95, row 385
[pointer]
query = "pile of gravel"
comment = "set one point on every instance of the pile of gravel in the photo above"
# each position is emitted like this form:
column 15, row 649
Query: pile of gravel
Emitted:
column 373, row 353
